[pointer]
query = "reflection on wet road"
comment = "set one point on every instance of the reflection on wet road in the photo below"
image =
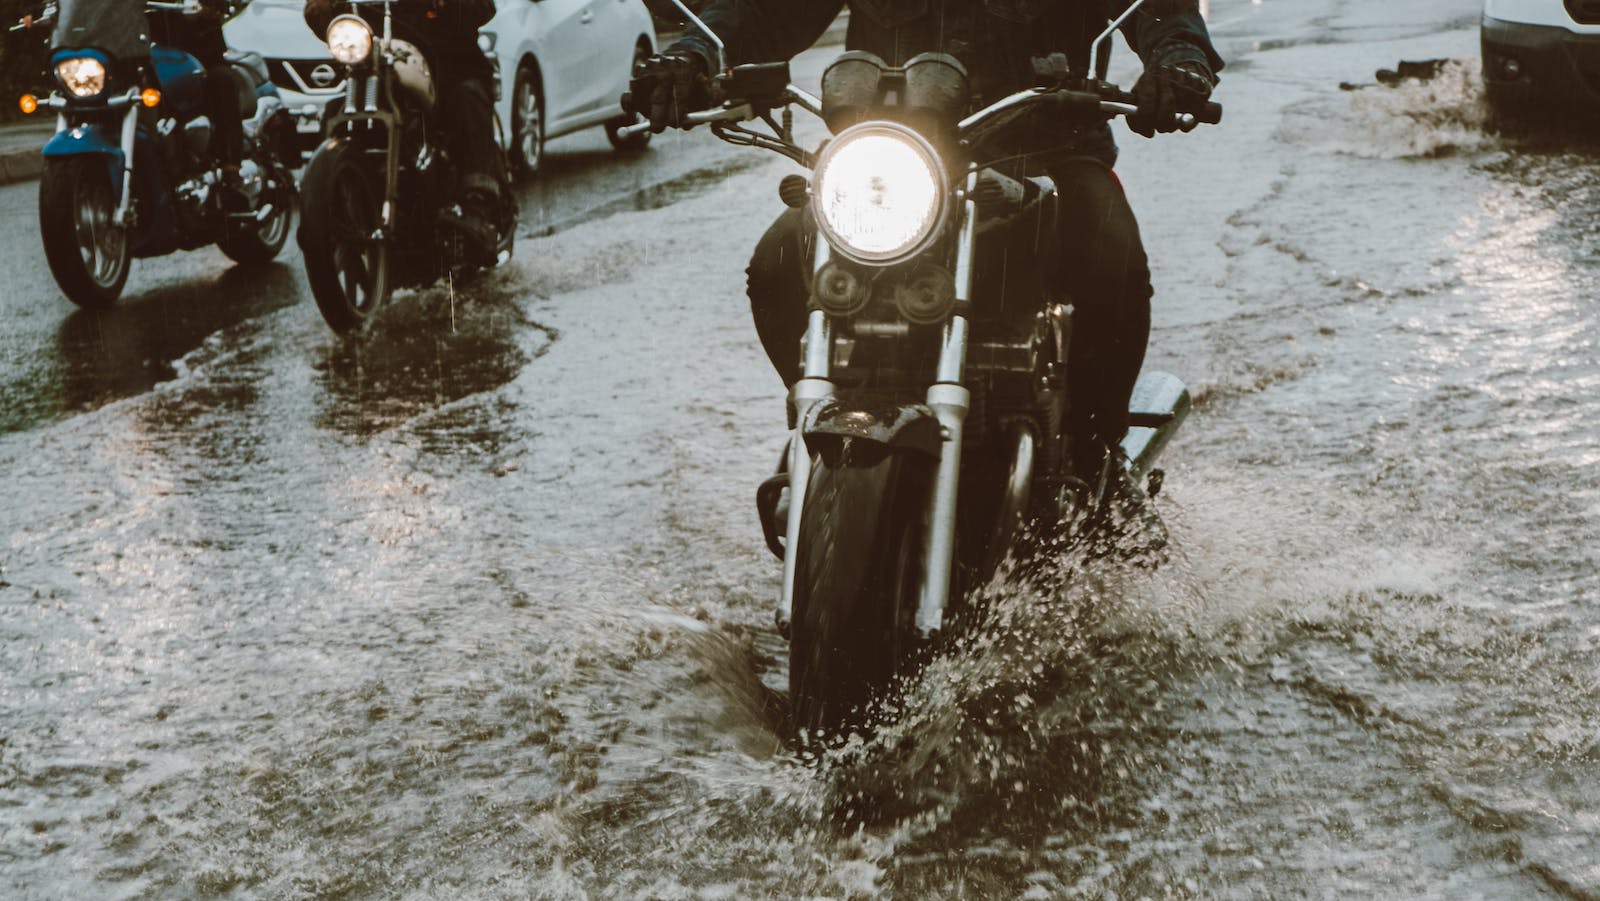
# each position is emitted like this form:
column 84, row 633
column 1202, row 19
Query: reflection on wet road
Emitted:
column 476, row 605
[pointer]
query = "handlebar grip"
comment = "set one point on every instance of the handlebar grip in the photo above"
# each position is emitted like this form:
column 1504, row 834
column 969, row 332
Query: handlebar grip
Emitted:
column 1211, row 114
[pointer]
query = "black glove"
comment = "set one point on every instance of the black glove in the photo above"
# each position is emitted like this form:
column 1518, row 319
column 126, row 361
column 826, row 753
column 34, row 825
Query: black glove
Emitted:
column 666, row 88
column 1166, row 90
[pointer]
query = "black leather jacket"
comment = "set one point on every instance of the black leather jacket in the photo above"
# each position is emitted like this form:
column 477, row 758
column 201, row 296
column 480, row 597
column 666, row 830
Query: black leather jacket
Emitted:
column 997, row 40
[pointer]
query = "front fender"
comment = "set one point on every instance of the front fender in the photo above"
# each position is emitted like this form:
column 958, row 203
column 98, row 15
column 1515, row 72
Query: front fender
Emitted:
column 863, row 417
column 90, row 140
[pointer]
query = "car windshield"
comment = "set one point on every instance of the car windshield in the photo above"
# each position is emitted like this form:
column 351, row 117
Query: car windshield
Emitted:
column 117, row 28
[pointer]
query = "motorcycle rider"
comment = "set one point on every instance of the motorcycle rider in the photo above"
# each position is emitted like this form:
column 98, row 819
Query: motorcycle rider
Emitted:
column 198, row 32
column 1092, row 253
column 447, row 33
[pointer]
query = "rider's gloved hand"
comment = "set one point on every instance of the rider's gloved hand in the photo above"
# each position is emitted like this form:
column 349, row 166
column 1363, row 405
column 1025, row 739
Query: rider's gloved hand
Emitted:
column 1167, row 89
column 667, row 88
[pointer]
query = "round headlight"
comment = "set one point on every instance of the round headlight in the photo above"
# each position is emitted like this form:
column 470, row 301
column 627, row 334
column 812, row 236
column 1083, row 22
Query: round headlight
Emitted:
column 83, row 76
column 880, row 193
column 349, row 40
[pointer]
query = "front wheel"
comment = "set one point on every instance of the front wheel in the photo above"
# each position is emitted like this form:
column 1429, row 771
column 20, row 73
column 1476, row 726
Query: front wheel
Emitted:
column 87, row 253
column 858, row 575
column 347, row 260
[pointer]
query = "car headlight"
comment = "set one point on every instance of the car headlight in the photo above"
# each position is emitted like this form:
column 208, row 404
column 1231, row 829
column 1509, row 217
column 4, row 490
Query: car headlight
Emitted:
column 349, row 40
column 83, row 76
column 881, row 193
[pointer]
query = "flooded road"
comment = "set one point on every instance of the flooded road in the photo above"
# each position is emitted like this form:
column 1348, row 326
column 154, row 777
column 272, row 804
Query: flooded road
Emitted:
column 476, row 605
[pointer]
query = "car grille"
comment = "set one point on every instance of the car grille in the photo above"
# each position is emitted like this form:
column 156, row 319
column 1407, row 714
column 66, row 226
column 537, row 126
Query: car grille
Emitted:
column 1584, row 12
column 298, row 75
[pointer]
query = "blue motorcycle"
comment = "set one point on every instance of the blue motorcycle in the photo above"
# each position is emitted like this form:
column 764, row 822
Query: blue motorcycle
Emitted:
column 130, row 171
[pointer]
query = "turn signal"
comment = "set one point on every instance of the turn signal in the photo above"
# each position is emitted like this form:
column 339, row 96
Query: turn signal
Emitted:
column 28, row 103
column 150, row 97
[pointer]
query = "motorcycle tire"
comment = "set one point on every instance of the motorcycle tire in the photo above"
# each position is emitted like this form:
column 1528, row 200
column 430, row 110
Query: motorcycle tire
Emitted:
column 857, row 583
column 250, row 242
column 87, row 255
column 340, row 210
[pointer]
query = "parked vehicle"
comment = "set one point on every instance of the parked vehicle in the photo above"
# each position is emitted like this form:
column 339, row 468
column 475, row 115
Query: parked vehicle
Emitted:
column 375, row 187
column 1538, row 53
column 129, row 171
column 904, row 384
column 562, row 66
column 565, row 63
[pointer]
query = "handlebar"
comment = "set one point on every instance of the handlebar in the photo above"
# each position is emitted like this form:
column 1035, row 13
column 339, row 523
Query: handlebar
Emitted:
column 1116, row 103
column 737, row 113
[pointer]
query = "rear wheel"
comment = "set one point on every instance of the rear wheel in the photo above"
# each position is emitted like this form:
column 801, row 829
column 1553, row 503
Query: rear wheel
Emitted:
column 346, row 263
column 858, row 575
column 87, row 253
column 255, row 241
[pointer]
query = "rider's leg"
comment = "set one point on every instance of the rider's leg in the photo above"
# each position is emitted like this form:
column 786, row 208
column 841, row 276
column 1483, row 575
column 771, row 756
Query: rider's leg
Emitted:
column 1103, row 267
column 779, row 274
column 467, row 113
column 468, row 108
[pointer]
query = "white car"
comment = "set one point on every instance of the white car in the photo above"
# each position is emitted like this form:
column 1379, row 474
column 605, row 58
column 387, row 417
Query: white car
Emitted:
column 1541, row 51
column 563, row 64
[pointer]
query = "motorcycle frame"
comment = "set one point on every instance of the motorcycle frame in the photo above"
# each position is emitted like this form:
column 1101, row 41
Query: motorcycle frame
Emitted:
column 948, row 397
column 371, row 100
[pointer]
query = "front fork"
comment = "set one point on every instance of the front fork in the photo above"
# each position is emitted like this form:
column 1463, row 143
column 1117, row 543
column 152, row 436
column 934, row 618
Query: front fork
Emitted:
column 947, row 397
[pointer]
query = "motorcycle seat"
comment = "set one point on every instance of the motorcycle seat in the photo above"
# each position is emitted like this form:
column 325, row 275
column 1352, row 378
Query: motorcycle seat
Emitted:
column 253, row 64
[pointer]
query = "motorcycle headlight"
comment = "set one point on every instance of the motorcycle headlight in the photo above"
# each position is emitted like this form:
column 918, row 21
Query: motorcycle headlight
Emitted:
column 82, row 76
column 349, row 40
column 881, row 193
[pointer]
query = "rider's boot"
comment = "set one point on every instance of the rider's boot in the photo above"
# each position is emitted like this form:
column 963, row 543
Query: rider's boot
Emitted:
column 1107, row 507
column 473, row 219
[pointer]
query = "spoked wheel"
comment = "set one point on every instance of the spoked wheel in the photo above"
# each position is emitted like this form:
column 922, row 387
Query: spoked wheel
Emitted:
column 347, row 262
column 527, row 122
column 88, row 254
column 638, row 141
column 859, row 571
column 254, row 241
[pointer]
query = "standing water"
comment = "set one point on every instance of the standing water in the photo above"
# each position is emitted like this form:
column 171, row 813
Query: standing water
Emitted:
column 476, row 606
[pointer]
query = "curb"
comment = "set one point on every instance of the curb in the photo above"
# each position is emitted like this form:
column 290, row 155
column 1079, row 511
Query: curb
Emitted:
column 20, row 165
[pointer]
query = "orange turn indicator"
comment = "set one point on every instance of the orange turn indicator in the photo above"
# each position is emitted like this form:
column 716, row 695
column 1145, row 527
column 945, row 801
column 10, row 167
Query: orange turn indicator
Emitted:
column 150, row 97
column 28, row 103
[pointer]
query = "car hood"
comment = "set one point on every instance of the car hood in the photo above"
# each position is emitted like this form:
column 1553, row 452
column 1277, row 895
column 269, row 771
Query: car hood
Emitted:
column 275, row 29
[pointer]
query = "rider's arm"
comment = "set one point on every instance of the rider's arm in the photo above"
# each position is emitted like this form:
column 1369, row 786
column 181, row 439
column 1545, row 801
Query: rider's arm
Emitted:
column 469, row 13
column 1176, row 34
column 759, row 31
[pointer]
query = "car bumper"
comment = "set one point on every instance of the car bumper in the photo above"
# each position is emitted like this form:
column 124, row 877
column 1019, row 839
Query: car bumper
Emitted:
column 1539, row 64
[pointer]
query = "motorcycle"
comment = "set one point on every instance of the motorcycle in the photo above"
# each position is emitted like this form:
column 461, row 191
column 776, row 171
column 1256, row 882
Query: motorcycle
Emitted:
column 375, row 186
column 129, row 172
column 924, row 442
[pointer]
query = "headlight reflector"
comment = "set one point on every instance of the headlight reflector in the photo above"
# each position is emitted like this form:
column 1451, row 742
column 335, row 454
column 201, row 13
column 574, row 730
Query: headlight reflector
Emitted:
column 880, row 193
column 349, row 40
column 83, row 76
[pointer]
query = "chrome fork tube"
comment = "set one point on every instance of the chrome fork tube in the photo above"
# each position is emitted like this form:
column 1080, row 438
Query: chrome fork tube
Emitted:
column 130, row 129
column 950, row 401
column 814, row 386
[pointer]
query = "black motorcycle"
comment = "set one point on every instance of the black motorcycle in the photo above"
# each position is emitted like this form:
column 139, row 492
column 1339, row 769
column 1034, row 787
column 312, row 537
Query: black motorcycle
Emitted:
column 130, row 172
column 926, row 441
column 373, row 190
